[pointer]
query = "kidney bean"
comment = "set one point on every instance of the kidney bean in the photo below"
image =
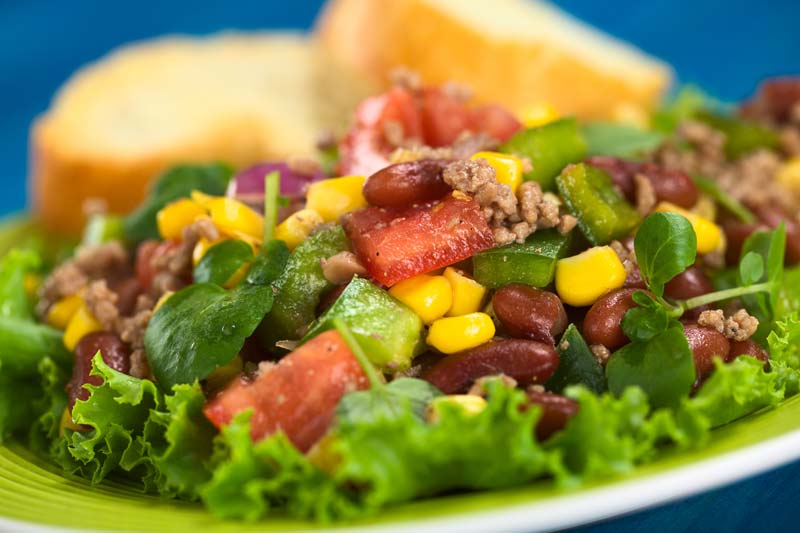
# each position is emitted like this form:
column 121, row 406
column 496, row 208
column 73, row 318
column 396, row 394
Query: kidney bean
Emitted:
column 405, row 184
column 526, row 361
column 114, row 352
column 772, row 216
column 747, row 347
column 669, row 185
column 556, row 412
column 128, row 291
column 528, row 312
column 775, row 99
column 603, row 322
column 736, row 232
column 688, row 284
column 705, row 343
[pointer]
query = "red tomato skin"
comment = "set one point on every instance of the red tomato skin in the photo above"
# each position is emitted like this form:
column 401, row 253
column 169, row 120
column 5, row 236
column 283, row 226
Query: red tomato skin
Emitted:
column 147, row 253
column 495, row 121
column 444, row 117
column 396, row 244
column 298, row 395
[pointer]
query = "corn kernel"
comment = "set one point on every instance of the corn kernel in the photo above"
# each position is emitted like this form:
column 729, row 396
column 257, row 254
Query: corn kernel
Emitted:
column 232, row 217
column 468, row 294
column 61, row 312
column 81, row 324
column 709, row 235
column 507, row 168
column 705, row 207
column 334, row 197
column 539, row 114
column 583, row 278
column 297, row 227
column 454, row 334
column 174, row 217
column 430, row 297
column 789, row 174
column 31, row 283
column 470, row 404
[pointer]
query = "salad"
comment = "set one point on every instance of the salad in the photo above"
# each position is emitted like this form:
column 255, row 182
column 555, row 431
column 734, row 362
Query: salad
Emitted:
column 453, row 298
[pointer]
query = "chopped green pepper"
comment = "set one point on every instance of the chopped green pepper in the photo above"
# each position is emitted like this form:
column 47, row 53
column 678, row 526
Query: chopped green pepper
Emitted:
column 532, row 262
column 550, row 148
column 589, row 194
column 103, row 228
column 577, row 365
column 300, row 287
column 389, row 332
column 741, row 136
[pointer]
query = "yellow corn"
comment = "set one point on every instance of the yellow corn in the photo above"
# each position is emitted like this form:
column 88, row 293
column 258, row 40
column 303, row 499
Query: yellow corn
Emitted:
column 468, row 294
column 470, row 404
column 583, row 278
column 428, row 296
column 334, row 197
column 61, row 312
column 174, row 217
column 232, row 217
column 81, row 324
column 789, row 174
column 539, row 114
column 31, row 283
column 237, row 276
column 705, row 207
column 507, row 168
column 709, row 235
column 297, row 227
column 454, row 334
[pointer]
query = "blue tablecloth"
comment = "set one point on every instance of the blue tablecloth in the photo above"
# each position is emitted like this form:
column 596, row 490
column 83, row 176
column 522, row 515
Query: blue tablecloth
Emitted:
column 723, row 46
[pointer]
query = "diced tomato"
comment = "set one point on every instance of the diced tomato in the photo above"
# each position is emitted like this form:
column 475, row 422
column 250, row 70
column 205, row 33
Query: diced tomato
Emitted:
column 148, row 252
column 444, row 117
column 298, row 395
column 494, row 120
column 397, row 244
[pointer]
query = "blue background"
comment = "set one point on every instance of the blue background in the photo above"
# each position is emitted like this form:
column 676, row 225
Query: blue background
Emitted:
column 723, row 46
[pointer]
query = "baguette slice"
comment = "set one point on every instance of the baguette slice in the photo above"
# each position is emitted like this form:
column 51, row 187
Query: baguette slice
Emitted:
column 514, row 52
column 117, row 123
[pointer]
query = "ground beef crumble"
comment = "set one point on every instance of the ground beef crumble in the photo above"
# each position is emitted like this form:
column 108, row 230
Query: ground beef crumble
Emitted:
column 601, row 353
column 740, row 326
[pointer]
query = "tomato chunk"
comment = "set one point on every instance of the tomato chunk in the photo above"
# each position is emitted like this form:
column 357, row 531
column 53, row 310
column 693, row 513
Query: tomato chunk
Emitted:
column 147, row 254
column 397, row 244
column 298, row 395
column 444, row 117
column 495, row 121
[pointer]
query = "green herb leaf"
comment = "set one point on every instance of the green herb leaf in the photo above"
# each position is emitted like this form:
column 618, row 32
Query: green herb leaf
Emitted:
column 577, row 365
column 619, row 140
column 177, row 182
column 751, row 268
column 770, row 246
column 689, row 101
column 665, row 246
column 387, row 401
column 272, row 197
column 644, row 323
column 712, row 188
column 663, row 367
column 203, row 326
column 222, row 261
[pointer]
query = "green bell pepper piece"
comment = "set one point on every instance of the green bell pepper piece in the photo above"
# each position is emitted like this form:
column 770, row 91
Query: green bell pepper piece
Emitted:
column 577, row 365
column 589, row 194
column 532, row 262
column 550, row 148
column 741, row 136
column 300, row 287
column 389, row 332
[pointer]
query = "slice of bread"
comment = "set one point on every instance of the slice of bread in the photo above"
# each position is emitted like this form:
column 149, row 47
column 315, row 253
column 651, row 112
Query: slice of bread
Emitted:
column 239, row 98
column 514, row 52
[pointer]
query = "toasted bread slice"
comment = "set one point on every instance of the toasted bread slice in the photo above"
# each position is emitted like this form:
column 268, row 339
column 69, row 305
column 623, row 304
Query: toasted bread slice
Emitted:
column 514, row 52
column 238, row 98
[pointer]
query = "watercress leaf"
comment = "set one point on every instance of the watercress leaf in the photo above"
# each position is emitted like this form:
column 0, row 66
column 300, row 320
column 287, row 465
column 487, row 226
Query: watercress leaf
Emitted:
column 751, row 268
column 644, row 323
column 771, row 247
column 663, row 367
column 577, row 365
column 644, row 299
column 665, row 246
column 177, row 182
column 222, row 261
column 688, row 101
column 203, row 326
column 731, row 204
column 386, row 401
column 789, row 297
column 619, row 140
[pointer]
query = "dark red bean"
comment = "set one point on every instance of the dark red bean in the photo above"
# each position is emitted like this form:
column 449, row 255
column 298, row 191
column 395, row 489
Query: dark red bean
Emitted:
column 669, row 185
column 556, row 412
column 772, row 216
column 530, row 313
column 747, row 347
column 114, row 352
column 603, row 322
column 736, row 232
column 688, row 284
column 128, row 291
column 620, row 170
column 405, row 184
column 705, row 343
column 526, row 361
column 634, row 279
column 775, row 99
